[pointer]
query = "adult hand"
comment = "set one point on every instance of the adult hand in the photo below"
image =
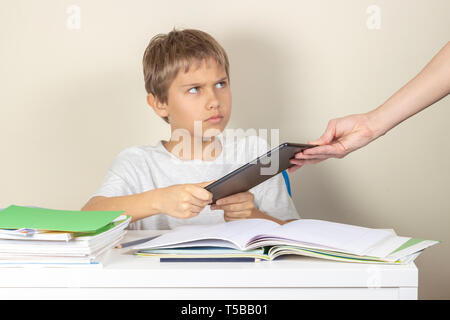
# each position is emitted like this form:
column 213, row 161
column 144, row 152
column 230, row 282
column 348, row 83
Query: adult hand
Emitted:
column 342, row 136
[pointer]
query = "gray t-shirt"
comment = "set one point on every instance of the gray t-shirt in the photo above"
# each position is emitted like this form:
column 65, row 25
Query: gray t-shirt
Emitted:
column 141, row 168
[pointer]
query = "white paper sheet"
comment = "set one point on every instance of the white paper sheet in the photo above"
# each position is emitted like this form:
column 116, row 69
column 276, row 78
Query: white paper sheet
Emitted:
column 343, row 237
column 236, row 232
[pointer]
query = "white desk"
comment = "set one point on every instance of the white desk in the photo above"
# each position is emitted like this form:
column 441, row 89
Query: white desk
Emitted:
column 125, row 276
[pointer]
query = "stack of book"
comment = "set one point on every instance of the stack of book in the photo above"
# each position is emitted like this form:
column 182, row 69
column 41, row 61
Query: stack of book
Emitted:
column 58, row 238
column 259, row 239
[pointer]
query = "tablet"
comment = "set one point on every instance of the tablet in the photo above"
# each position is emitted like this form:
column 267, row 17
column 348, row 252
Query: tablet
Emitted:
column 259, row 170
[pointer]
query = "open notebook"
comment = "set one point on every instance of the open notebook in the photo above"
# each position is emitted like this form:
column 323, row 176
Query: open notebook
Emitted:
column 264, row 239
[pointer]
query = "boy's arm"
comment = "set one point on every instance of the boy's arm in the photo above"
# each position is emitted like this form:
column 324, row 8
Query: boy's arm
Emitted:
column 256, row 213
column 138, row 206
column 179, row 201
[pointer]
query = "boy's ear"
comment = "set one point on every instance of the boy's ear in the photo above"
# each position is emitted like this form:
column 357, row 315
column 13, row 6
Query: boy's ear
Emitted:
column 157, row 106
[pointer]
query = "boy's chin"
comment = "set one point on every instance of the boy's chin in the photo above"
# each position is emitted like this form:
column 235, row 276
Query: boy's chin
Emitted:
column 208, row 134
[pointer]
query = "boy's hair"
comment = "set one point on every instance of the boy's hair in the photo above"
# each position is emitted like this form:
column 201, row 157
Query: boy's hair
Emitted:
column 166, row 54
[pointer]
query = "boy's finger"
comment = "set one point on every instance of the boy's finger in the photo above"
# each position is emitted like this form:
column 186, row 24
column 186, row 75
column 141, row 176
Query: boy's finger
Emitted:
column 235, row 198
column 198, row 191
column 235, row 207
column 204, row 184
column 198, row 202
column 195, row 209
column 228, row 219
column 237, row 214
column 201, row 194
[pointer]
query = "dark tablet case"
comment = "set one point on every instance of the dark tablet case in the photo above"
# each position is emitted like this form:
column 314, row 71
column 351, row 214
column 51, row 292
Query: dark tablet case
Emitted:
column 249, row 175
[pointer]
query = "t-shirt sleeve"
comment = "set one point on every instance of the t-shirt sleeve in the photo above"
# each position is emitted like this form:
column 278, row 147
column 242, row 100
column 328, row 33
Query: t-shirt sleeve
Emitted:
column 122, row 177
column 271, row 196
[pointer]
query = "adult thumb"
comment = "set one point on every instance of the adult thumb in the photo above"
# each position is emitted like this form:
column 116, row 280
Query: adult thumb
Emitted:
column 327, row 137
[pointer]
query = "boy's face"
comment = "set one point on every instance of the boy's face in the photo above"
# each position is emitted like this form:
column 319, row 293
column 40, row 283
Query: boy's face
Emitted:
column 199, row 95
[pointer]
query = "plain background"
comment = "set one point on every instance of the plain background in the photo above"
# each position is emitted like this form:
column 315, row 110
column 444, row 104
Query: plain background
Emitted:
column 72, row 99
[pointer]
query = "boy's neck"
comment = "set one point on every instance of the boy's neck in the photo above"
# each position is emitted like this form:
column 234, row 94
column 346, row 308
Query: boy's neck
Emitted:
column 200, row 149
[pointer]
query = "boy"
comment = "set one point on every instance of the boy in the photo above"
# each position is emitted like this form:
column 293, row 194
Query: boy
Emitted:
column 161, row 187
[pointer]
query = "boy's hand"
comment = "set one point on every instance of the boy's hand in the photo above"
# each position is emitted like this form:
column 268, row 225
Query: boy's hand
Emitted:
column 237, row 206
column 184, row 200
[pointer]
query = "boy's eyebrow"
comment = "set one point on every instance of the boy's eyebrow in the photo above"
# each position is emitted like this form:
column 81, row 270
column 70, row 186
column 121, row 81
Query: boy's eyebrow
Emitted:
column 200, row 84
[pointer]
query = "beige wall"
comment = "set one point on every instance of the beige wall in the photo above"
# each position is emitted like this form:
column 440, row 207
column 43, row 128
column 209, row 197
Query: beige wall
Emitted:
column 71, row 99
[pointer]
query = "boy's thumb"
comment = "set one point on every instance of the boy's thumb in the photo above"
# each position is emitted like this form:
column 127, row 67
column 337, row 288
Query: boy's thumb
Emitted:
column 204, row 184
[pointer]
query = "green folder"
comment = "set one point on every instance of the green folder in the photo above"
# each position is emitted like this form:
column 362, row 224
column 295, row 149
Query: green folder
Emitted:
column 17, row 217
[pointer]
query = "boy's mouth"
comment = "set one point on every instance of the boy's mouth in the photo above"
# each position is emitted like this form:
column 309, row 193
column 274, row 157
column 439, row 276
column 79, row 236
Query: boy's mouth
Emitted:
column 215, row 119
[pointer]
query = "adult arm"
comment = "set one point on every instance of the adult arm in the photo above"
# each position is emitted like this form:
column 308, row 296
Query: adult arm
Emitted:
column 347, row 134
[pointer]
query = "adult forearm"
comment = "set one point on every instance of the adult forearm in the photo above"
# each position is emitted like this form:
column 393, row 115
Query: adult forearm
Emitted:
column 428, row 87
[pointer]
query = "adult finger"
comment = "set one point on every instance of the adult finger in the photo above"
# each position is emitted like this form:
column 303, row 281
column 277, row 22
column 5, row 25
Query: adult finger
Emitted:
column 294, row 168
column 302, row 162
column 328, row 135
column 329, row 149
column 313, row 157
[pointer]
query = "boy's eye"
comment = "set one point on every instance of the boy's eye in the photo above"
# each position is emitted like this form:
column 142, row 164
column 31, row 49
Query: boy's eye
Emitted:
column 195, row 88
column 222, row 83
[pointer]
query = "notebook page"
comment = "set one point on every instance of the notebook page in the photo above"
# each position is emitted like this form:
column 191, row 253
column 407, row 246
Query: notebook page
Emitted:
column 236, row 232
column 200, row 243
column 385, row 247
column 343, row 237
column 411, row 247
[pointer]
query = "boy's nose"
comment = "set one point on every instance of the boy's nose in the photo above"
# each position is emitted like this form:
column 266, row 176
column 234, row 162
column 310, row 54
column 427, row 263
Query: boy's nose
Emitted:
column 213, row 101
column 213, row 105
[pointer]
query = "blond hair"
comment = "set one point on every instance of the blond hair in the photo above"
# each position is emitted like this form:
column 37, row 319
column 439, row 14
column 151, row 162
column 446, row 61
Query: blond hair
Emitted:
column 166, row 54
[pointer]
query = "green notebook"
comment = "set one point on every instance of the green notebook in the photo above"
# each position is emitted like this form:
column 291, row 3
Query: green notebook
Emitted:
column 17, row 217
